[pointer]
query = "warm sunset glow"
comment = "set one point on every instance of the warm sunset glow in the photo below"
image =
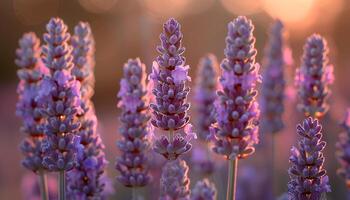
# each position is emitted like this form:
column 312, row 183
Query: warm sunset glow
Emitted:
column 246, row 7
column 161, row 8
column 97, row 6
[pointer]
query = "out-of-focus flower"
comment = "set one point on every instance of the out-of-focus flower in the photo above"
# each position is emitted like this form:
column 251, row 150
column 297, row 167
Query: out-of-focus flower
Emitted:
column 272, row 91
column 314, row 77
column 31, row 73
column 31, row 189
column 174, row 183
column 132, row 164
column 59, row 100
column 343, row 147
column 204, row 190
column 237, row 111
column 87, row 179
column 308, row 177
column 169, row 76
column 201, row 160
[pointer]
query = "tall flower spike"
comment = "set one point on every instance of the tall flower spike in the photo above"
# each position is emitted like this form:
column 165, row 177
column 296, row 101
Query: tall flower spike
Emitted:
column 132, row 164
column 343, row 147
column 60, row 100
column 204, row 190
column 169, row 76
column 31, row 72
column 237, row 111
column 314, row 77
column 308, row 177
column 174, row 183
column 87, row 179
column 272, row 91
column 205, row 94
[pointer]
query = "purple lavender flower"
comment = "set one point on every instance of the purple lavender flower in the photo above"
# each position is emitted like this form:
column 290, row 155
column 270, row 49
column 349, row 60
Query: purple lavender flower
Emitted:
column 308, row 177
column 314, row 77
column 343, row 147
column 205, row 94
column 60, row 100
column 87, row 179
column 31, row 72
column 132, row 164
column 272, row 91
column 204, row 190
column 174, row 183
column 237, row 111
column 201, row 160
column 169, row 76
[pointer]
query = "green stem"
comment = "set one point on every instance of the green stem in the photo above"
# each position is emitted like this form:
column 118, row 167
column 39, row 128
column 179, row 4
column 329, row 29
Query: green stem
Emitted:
column 43, row 185
column 171, row 135
column 273, row 164
column 134, row 194
column 232, row 178
column 62, row 185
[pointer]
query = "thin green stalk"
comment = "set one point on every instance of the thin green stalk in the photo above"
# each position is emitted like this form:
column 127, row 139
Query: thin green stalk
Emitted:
column 232, row 179
column 62, row 185
column 134, row 193
column 43, row 185
column 171, row 135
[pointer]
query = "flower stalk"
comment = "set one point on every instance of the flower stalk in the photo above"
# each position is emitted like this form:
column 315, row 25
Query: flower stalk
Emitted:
column 232, row 179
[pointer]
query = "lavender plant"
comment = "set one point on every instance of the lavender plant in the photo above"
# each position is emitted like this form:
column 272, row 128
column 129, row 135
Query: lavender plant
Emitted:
column 314, row 77
column 204, row 190
column 132, row 164
column 272, row 91
column 236, row 130
column 86, row 180
column 174, row 183
column 59, row 103
column 308, row 176
column 169, row 76
column 343, row 153
column 31, row 72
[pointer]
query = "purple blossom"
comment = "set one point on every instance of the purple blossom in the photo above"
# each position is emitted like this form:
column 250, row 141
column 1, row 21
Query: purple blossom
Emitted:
column 169, row 76
column 61, row 102
column 87, row 180
column 174, row 183
column 205, row 94
column 314, row 77
column 308, row 177
column 31, row 73
column 237, row 111
column 343, row 147
column 133, row 163
column 273, row 86
column 201, row 160
column 204, row 190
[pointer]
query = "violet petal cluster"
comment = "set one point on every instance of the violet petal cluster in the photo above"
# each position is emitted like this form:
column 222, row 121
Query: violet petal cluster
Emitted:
column 132, row 164
column 314, row 77
column 204, row 190
column 205, row 95
column 169, row 76
column 174, row 183
column 307, row 174
column 59, row 100
column 343, row 150
column 237, row 111
column 273, row 86
column 86, row 180
column 31, row 72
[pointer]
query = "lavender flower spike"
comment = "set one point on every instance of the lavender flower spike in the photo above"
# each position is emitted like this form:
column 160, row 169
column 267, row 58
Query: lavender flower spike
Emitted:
column 60, row 100
column 169, row 76
column 343, row 147
column 31, row 72
column 237, row 111
column 314, row 77
column 272, row 92
column 204, row 190
column 86, row 180
column 132, row 164
column 174, row 183
column 308, row 177
column 205, row 94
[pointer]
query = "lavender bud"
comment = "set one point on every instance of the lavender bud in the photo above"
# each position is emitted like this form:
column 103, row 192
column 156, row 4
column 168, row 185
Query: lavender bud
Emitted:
column 314, row 77
column 308, row 177
column 235, row 138
column 204, row 190
column 343, row 147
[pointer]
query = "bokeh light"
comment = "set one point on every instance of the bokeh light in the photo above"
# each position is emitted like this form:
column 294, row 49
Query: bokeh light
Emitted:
column 98, row 6
column 246, row 7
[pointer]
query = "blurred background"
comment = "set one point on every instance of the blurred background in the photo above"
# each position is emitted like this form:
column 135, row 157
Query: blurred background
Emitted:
column 130, row 28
